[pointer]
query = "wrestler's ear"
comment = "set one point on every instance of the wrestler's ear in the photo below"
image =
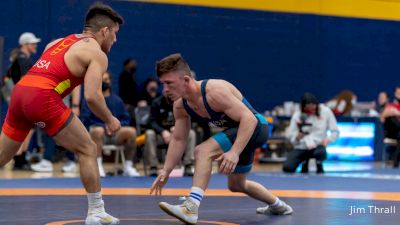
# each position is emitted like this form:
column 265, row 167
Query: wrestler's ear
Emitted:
column 104, row 31
column 186, row 78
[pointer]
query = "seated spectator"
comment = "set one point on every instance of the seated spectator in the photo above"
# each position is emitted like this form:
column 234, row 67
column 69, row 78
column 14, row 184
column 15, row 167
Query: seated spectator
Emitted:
column 125, row 136
column 343, row 103
column 308, row 134
column 382, row 101
column 162, row 123
column 149, row 93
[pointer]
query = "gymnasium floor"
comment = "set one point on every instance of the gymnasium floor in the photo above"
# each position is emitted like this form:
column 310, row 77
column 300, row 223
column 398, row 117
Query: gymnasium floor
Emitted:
column 317, row 199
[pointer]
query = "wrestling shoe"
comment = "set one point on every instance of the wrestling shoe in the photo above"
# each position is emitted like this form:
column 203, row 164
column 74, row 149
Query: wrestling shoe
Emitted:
column 101, row 219
column 187, row 212
column 285, row 209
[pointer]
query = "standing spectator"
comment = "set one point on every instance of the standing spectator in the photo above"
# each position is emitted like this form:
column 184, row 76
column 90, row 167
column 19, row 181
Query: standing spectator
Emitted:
column 308, row 133
column 162, row 124
column 128, row 88
column 7, row 82
column 22, row 63
column 125, row 136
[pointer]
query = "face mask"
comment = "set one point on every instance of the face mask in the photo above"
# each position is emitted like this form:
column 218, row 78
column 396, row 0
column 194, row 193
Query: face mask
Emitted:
column 105, row 86
column 153, row 90
column 310, row 111
column 132, row 70
column 397, row 99
column 353, row 101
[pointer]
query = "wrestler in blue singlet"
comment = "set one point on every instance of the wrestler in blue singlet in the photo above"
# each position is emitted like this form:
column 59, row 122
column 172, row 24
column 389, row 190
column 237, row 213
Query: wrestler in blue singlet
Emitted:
column 226, row 138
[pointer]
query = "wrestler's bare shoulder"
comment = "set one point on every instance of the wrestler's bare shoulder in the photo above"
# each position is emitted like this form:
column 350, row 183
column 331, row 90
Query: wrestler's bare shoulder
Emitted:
column 217, row 85
column 49, row 45
column 87, row 46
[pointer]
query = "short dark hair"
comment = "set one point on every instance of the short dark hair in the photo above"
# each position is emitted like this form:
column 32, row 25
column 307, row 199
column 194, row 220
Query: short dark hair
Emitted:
column 385, row 93
column 149, row 80
column 100, row 15
column 173, row 62
column 126, row 61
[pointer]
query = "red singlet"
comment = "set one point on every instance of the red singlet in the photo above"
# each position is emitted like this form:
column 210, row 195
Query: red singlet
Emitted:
column 37, row 97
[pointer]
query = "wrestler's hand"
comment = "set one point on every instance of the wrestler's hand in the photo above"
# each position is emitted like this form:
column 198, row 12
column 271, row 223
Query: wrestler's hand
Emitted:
column 113, row 126
column 228, row 162
column 159, row 183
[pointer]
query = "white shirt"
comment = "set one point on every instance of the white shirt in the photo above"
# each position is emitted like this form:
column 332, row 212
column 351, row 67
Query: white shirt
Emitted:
column 318, row 128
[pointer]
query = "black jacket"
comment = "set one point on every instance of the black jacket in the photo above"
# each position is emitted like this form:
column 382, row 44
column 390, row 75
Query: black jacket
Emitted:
column 162, row 116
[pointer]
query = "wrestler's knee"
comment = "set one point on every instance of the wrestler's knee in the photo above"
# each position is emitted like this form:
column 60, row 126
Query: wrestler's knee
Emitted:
column 235, row 186
column 201, row 153
column 87, row 149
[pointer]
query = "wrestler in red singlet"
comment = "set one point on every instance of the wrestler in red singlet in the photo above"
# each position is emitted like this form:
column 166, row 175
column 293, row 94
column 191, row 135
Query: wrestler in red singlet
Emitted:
column 37, row 97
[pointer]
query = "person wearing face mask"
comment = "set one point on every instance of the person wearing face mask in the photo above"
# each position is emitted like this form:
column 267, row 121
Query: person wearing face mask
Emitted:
column 162, row 127
column 125, row 136
column 128, row 87
column 308, row 134
column 149, row 93
column 390, row 117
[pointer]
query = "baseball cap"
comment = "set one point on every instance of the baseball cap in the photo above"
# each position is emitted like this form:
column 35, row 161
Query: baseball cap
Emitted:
column 28, row 38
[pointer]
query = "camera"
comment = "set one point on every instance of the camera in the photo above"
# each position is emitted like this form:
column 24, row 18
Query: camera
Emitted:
column 303, row 126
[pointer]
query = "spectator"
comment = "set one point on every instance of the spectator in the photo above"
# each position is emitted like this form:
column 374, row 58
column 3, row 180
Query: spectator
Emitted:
column 125, row 136
column 128, row 88
column 343, row 103
column 149, row 93
column 382, row 101
column 22, row 63
column 392, row 110
column 162, row 124
column 390, row 118
column 308, row 133
column 8, row 83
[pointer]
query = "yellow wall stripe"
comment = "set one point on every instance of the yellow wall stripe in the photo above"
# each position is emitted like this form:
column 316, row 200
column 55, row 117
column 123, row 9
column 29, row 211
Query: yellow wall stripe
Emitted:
column 386, row 196
column 371, row 9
